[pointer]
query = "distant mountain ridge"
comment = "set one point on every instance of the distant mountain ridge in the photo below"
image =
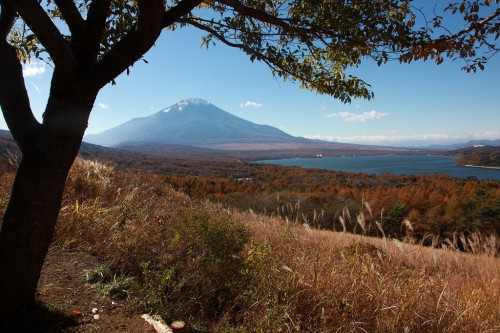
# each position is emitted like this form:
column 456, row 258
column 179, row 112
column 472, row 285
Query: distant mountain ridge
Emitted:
column 193, row 122
column 467, row 144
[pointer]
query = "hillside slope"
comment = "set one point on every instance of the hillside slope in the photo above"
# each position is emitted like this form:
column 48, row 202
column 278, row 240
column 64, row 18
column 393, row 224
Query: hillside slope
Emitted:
column 223, row 270
column 488, row 156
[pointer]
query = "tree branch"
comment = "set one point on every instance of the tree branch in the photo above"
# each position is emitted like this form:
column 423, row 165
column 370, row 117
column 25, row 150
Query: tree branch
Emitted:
column 322, row 79
column 284, row 25
column 7, row 18
column 47, row 33
column 132, row 46
column 72, row 16
column 178, row 11
column 96, row 23
column 248, row 50
column 259, row 15
column 473, row 26
column 14, row 99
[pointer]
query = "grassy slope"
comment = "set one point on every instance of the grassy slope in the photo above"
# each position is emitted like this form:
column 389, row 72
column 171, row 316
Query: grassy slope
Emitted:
column 230, row 271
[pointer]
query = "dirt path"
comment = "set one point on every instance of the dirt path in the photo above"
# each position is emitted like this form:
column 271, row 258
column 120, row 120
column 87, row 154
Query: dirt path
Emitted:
column 70, row 304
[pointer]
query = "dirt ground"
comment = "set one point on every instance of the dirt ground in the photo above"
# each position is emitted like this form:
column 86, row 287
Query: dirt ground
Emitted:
column 69, row 304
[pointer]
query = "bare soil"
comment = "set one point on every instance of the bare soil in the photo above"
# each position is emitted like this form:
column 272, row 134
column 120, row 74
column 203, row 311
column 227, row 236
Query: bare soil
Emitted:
column 67, row 303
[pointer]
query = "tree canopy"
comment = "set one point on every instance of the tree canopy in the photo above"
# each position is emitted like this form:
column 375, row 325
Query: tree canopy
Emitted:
column 310, row 41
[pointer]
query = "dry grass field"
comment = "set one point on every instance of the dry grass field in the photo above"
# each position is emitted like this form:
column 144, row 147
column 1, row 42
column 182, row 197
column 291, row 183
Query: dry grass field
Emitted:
column 223, row 270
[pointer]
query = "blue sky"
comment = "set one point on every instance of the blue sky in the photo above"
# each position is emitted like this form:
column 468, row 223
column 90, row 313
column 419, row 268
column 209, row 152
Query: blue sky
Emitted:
column 417, row 104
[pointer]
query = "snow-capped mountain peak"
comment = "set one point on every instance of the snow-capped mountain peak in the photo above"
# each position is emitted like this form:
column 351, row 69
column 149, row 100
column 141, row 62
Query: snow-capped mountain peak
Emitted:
column 192, row 121
column 191, row 101
column 185, row 102
column 195, row 101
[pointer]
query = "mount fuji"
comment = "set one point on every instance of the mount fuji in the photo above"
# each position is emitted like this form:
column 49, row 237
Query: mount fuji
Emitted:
column 193, row 122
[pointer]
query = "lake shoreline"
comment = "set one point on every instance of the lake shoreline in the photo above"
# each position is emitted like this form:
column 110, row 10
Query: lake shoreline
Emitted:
column 482, row 167
column 415, row 165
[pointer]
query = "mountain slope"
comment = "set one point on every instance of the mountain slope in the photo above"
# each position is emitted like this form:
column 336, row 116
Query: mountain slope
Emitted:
column 192, row 122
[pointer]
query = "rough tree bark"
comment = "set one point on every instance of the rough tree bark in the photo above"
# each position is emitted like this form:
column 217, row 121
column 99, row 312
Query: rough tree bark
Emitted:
column 48, row 151
column 30, row 218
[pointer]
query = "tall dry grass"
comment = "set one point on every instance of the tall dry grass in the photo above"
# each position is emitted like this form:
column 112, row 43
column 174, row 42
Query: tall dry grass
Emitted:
column 230, row 271
column 351, row 283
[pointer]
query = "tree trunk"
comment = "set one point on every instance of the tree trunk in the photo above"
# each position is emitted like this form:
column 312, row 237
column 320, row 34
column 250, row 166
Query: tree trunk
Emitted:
column 36, row 198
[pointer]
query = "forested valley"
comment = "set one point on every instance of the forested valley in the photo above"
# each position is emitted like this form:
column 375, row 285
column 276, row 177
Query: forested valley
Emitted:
column 431, row 208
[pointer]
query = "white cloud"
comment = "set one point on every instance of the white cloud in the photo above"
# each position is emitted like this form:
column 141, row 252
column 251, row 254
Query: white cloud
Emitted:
column 33, row 69
column 486, row 135
column 103, row 106
column 250, row 104
column 417, row 139
column 352, row 117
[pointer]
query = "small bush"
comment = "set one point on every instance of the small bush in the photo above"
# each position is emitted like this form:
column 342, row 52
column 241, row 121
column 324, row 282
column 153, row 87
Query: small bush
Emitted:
column 101, row 274
column 202, row 272
column 115, row 287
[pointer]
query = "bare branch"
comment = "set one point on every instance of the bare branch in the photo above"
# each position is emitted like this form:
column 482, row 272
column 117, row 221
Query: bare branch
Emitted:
column 72, row 16
column 132, row 46
column 96, row 23
column 258, row 14
column 220, row 37
column 47, row 33
column 181, row 9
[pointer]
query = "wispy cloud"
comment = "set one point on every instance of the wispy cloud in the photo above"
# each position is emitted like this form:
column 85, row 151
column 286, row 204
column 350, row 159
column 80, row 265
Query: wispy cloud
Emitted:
column 33, row 69
column 250, row 104
column 361, row 118
column 417, row 139
column 103, row 106
column 37, row 88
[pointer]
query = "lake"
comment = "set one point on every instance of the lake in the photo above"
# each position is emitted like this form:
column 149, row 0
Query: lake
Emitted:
column 392, row 164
